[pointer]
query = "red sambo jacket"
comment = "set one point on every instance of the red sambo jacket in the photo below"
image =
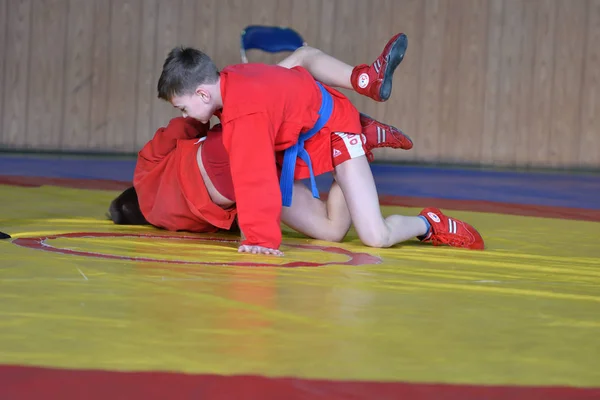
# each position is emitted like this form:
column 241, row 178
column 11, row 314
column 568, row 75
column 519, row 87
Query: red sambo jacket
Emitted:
column 265, row 108
column 170, row 188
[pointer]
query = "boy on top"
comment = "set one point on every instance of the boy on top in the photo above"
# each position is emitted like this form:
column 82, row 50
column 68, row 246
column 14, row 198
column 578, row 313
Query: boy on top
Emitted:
column 276, row 116
column 183, row 180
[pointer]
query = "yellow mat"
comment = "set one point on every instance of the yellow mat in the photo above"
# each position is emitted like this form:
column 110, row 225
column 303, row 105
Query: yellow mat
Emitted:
column 80, row 292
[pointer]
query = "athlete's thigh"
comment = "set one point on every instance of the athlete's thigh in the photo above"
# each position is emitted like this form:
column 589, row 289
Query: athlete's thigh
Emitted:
column 356, row 180
column 306, row 215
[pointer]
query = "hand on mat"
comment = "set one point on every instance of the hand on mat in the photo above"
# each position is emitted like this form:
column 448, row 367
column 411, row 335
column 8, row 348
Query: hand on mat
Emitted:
column 259, row 250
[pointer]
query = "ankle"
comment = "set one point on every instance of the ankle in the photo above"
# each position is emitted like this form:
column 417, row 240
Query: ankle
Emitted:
column 427, row 228
column 360, row 79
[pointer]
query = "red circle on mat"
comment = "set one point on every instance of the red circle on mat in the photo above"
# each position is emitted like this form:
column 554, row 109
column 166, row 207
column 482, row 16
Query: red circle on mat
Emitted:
column 39, row 243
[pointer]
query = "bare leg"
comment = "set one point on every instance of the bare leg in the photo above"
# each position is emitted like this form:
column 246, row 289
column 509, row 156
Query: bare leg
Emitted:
column 313, row 217
column 374, row 81
column 322, row 66
column 356, row 180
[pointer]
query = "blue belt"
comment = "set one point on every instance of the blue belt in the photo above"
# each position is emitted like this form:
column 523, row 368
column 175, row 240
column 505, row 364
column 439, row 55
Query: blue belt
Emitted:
column 297, row 151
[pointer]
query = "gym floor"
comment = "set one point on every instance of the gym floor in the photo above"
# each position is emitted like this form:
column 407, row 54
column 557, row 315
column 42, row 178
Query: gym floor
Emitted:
column 94, row 310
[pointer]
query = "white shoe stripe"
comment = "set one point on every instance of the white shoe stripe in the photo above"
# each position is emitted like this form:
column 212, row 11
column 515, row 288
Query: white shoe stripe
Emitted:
column 377, row 65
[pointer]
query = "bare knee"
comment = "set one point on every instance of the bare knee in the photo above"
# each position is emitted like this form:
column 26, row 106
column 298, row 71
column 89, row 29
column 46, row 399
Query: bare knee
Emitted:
column 375, row 238
column 334, row 236
column 300, row 57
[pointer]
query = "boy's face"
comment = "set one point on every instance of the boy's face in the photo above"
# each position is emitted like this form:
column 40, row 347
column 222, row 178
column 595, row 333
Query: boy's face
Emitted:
column 198, row 105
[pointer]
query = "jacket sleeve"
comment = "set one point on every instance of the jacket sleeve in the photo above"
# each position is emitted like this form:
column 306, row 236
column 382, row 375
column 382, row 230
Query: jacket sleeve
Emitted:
column 165, row 139
column 249, row 140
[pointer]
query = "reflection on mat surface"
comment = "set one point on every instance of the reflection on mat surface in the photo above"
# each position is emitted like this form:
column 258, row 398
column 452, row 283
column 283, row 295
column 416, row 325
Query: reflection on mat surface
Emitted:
column 523, row 312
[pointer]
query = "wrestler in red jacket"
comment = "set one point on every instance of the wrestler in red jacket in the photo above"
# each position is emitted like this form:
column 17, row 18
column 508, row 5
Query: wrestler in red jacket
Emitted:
column 183, row 181
column 268, row 109
column 169, row 182
column 173, row 197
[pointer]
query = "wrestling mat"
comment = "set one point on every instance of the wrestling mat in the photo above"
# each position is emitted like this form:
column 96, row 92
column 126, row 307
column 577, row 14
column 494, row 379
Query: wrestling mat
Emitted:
column 93, row 310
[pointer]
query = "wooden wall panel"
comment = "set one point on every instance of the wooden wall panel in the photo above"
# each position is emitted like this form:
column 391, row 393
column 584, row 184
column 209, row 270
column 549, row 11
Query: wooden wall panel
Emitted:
column 589, row 140
column 123, row 69
column 325, row 19
column 505, row 82
column 540, row 113
column 146, row 74
column 263, row 12
column 471, row 86
column 44, row 125
column 305, row 19
column 508, row 83
column 447, row 113
column 101, row 43
column 187, row 21
column 3, row 50
column 428, row 133
column 232, row 17
column 403, row 106
column 568, row 82
column 16, row 73
column 167, row 37
column 361, row 55
column 78, row 74
column 205, row 26
column 495, row 19
column 342, row 45
column 366, row 54
column 524, row 79
column 283, row 12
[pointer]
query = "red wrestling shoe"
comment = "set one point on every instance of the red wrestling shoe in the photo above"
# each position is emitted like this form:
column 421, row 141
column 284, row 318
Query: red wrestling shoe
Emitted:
column 377, row 134
column 450, row 231
column 375, row 81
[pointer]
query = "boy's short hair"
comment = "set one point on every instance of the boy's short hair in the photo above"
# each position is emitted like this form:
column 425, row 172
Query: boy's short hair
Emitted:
column 184, row 69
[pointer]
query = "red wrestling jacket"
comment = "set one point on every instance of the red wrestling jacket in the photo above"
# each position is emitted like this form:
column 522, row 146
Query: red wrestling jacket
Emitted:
column 170, row 188
column 265, row 108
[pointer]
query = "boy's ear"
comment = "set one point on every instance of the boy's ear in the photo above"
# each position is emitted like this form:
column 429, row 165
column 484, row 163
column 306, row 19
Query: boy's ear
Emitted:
column 203, row 93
